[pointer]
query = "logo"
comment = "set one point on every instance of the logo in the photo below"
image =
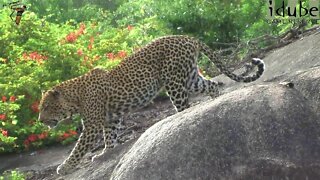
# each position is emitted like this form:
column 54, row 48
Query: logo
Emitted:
column 293, row 9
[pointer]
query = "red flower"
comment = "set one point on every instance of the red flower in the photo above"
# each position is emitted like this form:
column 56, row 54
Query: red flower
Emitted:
column 4, row 98
column 13, row 98
column 91, row 39
column 81, row 29
column 3, row 117
column 65, row 135
column 72, row 37
column 68, row 134
column 122, row 54
column 110, row 56
column 130, row 28
column 35, row 106
column 90, row 46
column 25, row 56
column 91, row 43
column 82, row 26
column 72, row 132
column 32, row 137
column 97, row 57
column 34, row 56
column 80, row 52
column 4, row 133
column 43, row 135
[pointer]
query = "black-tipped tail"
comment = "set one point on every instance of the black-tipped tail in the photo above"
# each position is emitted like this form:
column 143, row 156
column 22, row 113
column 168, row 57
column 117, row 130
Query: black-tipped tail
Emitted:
column 239, row 78
column 260, row 64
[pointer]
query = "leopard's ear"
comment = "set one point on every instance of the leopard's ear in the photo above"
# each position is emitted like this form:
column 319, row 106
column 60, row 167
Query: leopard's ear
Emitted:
column 55, row 93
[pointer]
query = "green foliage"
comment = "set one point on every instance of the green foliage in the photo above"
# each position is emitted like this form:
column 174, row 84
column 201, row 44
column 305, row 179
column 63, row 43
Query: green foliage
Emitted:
column 211, row 21
column 62, row 39
column 65, row 10
column 35, row 56
column 12, row 175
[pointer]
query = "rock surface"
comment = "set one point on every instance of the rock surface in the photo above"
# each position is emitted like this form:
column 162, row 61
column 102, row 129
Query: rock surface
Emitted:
column 259, row 131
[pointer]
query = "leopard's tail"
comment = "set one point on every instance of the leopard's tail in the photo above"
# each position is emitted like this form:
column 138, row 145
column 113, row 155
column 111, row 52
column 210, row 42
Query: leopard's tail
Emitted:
column 239, row 78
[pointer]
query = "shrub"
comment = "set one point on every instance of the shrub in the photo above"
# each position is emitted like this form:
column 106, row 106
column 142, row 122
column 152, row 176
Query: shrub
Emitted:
column 35, row 57
column 12, row 175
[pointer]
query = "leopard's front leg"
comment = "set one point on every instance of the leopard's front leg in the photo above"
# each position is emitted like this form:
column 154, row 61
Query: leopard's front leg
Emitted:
column 84, row 144
column 112, row 126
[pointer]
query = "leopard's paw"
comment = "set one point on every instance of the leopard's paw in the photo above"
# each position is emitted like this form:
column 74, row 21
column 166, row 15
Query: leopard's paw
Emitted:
column 98, row 155
column 64, row 169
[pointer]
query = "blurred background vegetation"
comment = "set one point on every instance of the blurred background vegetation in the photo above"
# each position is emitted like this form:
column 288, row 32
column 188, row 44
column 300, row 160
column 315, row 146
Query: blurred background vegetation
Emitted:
column 61, row 39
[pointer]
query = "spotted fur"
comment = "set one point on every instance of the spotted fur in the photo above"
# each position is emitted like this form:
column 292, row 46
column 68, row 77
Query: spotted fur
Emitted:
column 100, row 97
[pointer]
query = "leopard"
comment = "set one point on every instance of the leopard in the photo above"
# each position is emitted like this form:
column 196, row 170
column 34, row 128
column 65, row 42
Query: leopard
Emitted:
column 101, row 96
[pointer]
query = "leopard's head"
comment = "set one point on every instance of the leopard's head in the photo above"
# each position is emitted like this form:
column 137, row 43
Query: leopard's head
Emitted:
column 54, row 107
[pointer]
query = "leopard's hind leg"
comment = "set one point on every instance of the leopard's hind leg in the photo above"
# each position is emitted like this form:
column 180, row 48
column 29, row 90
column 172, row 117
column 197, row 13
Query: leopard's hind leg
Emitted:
column 178, row 95
column 202, row 85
